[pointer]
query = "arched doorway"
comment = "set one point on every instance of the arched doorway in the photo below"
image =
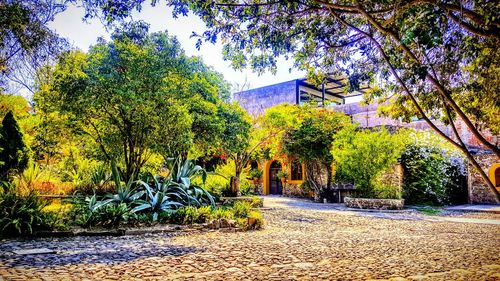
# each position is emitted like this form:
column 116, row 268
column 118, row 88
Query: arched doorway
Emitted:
column 494, row 175
column 275, row 182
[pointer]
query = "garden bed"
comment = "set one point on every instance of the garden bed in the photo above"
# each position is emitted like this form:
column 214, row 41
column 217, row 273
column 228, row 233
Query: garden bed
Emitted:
column 377, row 204
column 256, row 202
column 155, row 229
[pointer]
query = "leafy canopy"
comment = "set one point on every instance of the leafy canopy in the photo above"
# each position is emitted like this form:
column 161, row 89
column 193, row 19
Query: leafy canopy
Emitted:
column 137, row 95
column 361, row 156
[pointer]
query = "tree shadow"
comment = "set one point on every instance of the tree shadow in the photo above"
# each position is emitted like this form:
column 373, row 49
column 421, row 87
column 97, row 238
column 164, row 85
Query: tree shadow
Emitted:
column 308, row 204
column 91, row 250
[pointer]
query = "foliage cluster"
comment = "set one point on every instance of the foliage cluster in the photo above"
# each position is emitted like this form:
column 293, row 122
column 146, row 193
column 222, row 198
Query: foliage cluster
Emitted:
column 21, row 214
column 433, row 176
column 432, row 60
column 362, row 156
column 433, row 171
column 171, row 106
column 304, row 133
column 151, row 196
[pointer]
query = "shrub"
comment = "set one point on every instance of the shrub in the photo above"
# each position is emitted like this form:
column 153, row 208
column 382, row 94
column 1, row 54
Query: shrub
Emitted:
column 55, row 220
column 216, row 184
column 146, row 218
column 361, row 157
column 254, row 220
column 85, row 212
column 257, row 202
column 433, row 176
column 241, row 209
column 113, row 215
column 96, row 180
column 20, row 214
column 222, row 213
column 190, row 215
column 384, row 191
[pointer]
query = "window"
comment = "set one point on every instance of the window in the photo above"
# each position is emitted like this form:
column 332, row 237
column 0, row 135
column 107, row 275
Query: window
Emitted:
column 296, row 171
column 306, row 97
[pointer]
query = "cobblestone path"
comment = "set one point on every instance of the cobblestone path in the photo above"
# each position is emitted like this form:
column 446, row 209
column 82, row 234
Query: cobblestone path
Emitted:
column 301, row 241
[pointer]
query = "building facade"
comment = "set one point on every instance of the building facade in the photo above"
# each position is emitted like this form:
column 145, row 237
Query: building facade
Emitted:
column 333, row 94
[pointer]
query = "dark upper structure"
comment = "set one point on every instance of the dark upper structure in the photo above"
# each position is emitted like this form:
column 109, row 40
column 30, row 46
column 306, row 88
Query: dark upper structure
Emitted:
column 298, row 91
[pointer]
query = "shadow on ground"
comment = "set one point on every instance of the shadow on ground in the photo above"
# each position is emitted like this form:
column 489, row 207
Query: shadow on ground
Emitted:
column 90, row 250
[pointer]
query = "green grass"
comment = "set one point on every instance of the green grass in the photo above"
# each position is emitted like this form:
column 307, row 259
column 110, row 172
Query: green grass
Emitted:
column 428, row 210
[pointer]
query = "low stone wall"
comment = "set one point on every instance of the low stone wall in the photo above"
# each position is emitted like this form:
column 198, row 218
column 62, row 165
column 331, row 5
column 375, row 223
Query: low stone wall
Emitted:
column 294, row 190
column 380, row 204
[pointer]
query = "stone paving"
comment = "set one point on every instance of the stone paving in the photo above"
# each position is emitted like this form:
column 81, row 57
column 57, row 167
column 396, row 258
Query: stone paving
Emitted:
column 301, row 241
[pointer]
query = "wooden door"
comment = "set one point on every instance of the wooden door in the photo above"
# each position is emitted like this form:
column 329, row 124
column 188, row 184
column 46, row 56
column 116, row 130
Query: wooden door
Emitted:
column 275, row 182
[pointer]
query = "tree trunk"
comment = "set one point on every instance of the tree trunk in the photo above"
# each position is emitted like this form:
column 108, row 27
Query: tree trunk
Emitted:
column 442, row 91
column 234, row 185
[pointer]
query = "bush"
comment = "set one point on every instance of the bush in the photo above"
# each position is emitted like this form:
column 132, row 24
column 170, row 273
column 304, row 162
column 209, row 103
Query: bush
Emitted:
column 21, row 214
column 190, row 215
column 40, row 179
column 241, row 209
column 433, row 176
column 215, row 184
column 113, row 215
column 254, row 220
column 222, row 213
column 362, row 156
column 384, row 191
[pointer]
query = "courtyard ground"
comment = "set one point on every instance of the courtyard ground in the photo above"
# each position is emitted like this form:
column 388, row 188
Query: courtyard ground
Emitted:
column 301, row 240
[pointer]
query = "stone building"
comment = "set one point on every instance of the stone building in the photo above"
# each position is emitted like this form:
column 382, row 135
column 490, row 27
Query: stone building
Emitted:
column 333, row 94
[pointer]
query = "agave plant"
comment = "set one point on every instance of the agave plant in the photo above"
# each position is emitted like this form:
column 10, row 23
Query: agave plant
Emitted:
column 99, row 176
column 181, row 176
column 125, row 192
column 158, row 199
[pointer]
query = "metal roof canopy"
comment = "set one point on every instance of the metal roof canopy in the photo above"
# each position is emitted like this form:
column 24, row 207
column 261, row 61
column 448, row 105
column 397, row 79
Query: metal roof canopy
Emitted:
column 334, row 86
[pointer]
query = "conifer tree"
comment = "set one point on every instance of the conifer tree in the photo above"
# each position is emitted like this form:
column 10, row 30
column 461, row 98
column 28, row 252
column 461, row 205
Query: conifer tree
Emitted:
column 14, row 154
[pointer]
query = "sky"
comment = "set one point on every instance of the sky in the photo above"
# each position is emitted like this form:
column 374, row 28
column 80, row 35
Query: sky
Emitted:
column 82, row 35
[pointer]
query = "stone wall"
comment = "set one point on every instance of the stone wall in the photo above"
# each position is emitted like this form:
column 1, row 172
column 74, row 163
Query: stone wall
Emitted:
column 479, row 192
column 367, row 116
column 259, row 188
column 380, row 204
column 294, row 190
column 393, row 177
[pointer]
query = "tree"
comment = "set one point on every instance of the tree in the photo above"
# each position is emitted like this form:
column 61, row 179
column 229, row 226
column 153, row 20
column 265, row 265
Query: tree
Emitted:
column 14, row 154
column 135, row 96
column 17, row 104
column 310, row 142
column 361, row 156
column 236, row 141
column 26, row 42
column 426, row 55
column 304, row 133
